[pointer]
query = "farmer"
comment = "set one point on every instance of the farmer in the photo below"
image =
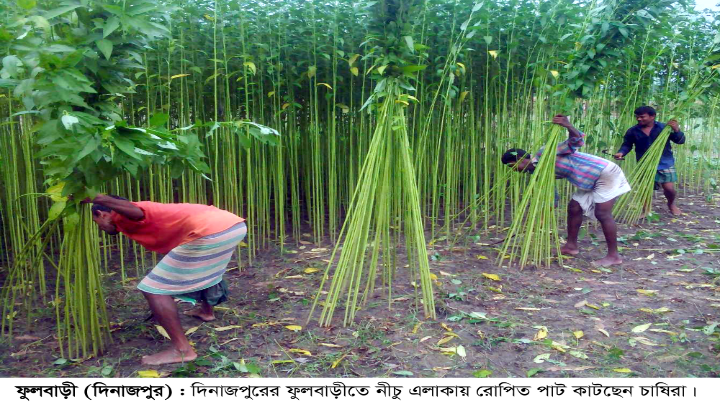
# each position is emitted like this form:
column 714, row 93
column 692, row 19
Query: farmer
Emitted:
column 198, row 242
column 642, row 136
column 599, row 183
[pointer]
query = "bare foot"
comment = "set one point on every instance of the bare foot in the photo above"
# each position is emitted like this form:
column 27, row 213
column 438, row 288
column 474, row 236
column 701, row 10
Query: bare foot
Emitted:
column 607, row 261
column 569, row 250
column 169, row 356
column 674, row 209
column 201, row 314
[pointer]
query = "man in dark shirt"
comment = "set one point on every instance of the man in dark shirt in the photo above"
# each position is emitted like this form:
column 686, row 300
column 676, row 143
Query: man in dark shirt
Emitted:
column 642, row 136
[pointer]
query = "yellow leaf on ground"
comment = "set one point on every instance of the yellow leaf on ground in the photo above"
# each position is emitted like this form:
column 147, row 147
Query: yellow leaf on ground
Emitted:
column 452, row 334
column 663, row 331
column 622, row 370
column 294, row 327
column 337, row 362
column 645, row 341
column 301, row 351
column 559, row 346
column 282, row 361
column 604, row 332
column 541, row 334
column 656, row 311
column 224, row 328
column 493, row 289
column 641, row 328
column 592, row 306
column 578, row 334
column 649, row 293
column 445, row 340
column 148, row 374
column 433, row 277
column 191, row 330
column 162, row 331
column 296, row 276
column 330, row 345
column 448, row 350
column 461, row 351
column 527, row 309
column 481, row 257
column 243, row 244
column 311, row 270
column 493, row 277
column 442, row 273
column 416, row 327
column 447, row 328
column 425, row 338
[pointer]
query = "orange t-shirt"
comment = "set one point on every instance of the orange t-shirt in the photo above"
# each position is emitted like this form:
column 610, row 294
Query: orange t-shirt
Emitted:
column 167, row 226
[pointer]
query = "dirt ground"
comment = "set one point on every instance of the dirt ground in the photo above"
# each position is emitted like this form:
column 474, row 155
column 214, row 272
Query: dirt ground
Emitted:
column 656, row 315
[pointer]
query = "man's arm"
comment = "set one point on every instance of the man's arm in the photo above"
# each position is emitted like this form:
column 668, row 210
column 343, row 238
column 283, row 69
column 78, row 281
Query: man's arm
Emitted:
column 575, row 138
column 626, row 146
column 677, row 135
column 122, row 207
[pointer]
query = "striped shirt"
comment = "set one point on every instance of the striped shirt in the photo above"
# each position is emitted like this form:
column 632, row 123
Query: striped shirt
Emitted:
column 581, row 169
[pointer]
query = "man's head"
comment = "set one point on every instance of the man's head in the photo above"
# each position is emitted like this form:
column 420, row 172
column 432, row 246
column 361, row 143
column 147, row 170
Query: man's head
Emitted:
column 103, row 219
column 645, row 115
column 518, row 160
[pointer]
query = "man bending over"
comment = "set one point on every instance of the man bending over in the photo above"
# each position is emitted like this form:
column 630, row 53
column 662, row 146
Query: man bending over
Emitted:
column 599, row 183
column 198, row 242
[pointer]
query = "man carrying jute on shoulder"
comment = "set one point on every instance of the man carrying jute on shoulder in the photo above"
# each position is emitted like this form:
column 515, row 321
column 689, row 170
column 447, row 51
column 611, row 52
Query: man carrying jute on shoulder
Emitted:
column 642, row 136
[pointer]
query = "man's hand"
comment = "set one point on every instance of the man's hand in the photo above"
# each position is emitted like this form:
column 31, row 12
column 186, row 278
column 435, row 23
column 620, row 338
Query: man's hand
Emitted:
column 619, row 156
column 561, row 120
column 674, row 125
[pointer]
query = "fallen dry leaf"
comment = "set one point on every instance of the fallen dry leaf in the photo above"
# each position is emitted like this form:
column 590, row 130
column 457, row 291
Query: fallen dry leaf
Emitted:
column 337, row 362
column 162, row 331
column 148, row 374
column 649, row 293
column 491, row 276
column 641, row 328
column 578, row 334
column 581, row 368
column 294, row 328
column 663, row 331
column 541, row 334
column 445, row 340
column 224, row 328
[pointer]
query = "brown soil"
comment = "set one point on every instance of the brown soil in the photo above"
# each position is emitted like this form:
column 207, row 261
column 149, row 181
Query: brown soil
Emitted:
column 669, row 279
